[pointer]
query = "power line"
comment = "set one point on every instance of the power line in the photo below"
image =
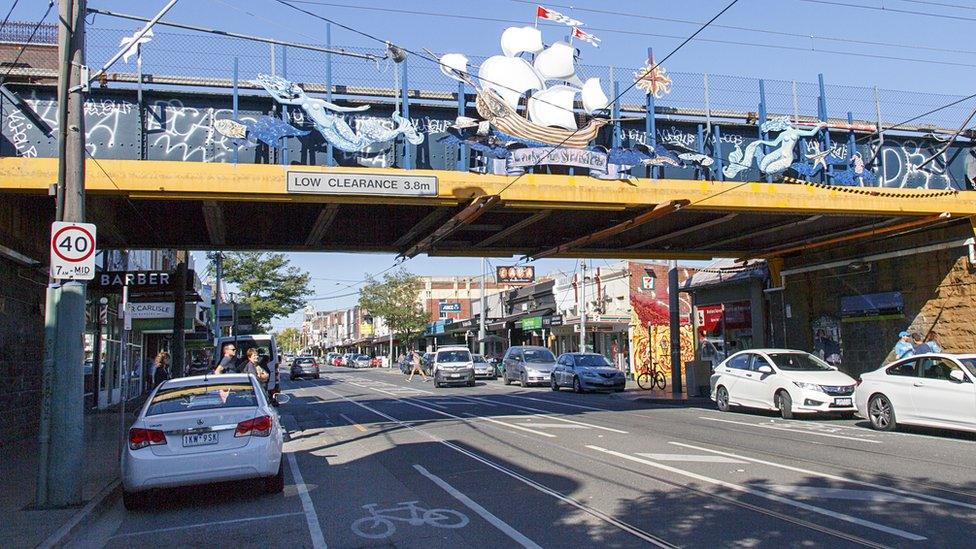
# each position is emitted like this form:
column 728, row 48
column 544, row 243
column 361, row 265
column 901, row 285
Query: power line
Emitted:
column 11, row 10
column 890, row 10
column 40, row 22
column 755, row 29
column 941, row 4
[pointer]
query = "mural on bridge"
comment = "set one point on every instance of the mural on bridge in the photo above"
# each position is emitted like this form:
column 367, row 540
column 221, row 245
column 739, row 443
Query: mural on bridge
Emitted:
column 775, row 162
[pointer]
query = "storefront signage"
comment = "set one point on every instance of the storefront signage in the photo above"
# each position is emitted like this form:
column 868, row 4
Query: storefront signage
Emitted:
column 514, row 275
column 139, row 281
column 361, row 183
column 151, row 310
column 738, row 315
column 709, row 319
column 648, row 282
column 532, row 323
column 554, row 320
column 544, row 156
column 450, row 307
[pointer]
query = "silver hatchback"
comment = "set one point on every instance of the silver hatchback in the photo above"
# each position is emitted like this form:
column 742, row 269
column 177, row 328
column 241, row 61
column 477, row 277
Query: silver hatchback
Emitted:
column 529, row 365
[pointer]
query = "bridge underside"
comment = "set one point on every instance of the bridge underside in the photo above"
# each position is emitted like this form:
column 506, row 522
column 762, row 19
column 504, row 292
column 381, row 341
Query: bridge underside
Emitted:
column 140, row 204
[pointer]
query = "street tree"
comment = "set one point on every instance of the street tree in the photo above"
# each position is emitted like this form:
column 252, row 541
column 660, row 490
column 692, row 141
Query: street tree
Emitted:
column 290, row 339
column 394, row 299
column 268, row 282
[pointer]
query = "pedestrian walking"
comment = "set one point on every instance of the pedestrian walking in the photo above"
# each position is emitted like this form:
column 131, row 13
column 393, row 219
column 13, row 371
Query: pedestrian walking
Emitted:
column 161, row 372
column 416, row 367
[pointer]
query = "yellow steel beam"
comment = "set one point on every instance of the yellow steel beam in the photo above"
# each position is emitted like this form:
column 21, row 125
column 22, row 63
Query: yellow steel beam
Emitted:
column 143, row 179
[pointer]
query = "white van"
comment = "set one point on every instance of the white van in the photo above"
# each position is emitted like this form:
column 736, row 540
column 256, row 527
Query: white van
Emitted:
column 267, row 348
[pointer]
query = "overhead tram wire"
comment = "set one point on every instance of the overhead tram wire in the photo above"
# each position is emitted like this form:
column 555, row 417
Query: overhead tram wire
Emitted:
column 940, row 4
column 889, row 10
column 11, row 10
column 30, row 39
column 814, row 49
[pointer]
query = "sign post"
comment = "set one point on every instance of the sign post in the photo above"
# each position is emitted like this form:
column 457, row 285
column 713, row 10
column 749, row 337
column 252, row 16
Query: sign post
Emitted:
column 72, row 251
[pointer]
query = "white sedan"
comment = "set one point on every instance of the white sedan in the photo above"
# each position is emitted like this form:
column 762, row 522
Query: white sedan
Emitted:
column 793, row 382
column 933, row 390
column 203, row 429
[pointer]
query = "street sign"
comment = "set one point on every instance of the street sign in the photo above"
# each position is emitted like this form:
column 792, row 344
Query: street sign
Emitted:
column 329, row 182
column 72, row 251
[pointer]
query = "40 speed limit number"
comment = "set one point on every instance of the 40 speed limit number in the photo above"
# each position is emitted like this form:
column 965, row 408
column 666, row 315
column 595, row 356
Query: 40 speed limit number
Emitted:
column 72, row 251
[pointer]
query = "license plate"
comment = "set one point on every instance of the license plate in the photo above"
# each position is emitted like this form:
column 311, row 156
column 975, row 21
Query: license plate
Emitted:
column 843, row 401
column 200, row 439
column 455, row 375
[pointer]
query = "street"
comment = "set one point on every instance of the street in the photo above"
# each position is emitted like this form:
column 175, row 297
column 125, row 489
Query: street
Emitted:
column 374, row 460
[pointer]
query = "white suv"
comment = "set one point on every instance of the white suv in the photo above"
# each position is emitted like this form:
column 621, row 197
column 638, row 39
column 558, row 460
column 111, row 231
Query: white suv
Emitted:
column 453, row 365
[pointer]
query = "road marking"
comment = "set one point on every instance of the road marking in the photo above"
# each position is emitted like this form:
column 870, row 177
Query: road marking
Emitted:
column 767, row 495
column 799, row 432
column 630, row 529
column 843, row 493
column 517, row 536
column 553, row 425
column 692, row 458
column 548, row 415
column 203, row 525
column 832, row 477
column 353, row 423
column 314, row 528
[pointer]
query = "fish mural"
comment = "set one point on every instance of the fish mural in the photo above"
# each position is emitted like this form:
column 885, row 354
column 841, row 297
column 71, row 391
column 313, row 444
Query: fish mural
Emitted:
column 266, row 129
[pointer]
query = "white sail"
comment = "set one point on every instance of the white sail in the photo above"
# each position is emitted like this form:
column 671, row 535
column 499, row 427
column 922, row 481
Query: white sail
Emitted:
column 553, row 106
column 593, row 97
column 455, row 66
column 557, row 62
column 510, row 77
column 516, row 40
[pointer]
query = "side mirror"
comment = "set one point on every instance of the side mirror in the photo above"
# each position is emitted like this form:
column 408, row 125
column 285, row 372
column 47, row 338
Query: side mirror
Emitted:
column 281, row 398
column 957, row 376
column 765, row 369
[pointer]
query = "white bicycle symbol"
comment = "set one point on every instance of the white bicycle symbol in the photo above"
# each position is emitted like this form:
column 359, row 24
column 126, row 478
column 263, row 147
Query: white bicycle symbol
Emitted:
column 379, row 524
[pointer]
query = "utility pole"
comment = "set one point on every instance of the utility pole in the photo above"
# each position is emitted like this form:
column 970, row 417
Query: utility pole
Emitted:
column 61, row 440
column 178, row 347
column 482, row 334
column 582, row 304
column 674, row 323
column 219, row 270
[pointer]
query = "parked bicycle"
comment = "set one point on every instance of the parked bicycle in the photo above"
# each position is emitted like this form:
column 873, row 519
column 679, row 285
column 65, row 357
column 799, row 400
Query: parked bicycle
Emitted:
column 380, row 522
column 648, row 378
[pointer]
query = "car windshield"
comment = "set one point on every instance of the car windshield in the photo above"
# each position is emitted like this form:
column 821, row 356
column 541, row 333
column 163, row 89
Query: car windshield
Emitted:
column 592, row 361
column 478, row 358
column 538, row 355
column 799, row 362
column 454, row 356
column 304, row 360
column 202, row 397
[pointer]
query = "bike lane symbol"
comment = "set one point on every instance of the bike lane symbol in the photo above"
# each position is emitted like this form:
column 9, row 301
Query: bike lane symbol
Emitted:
column 380, row 523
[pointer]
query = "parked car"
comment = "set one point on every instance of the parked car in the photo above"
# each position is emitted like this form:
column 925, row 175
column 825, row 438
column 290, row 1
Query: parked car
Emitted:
column 483, row 368
column 360, row 361
column 199, row 430
column 330, row 358
column 453, row 366
column 348, row 360
column 932, row 390
column 586, row 372
column 337, row 361
column 528, row 365
column 793, row 382
column 305, row 366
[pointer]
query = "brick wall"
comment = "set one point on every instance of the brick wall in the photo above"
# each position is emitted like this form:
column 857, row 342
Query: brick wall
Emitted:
column 21, row 350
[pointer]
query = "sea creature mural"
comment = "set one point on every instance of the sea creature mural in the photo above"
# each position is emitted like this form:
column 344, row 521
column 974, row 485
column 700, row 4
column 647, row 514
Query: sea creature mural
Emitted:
column 332, row 126
column 853, row 174
column 777, row 160
column 653, row 79
column 266, row 129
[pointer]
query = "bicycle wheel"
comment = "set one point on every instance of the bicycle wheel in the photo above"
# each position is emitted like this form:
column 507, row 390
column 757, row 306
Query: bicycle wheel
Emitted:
column 644, row 381
column 445, row 518
column 660, row 380
column 373, row 527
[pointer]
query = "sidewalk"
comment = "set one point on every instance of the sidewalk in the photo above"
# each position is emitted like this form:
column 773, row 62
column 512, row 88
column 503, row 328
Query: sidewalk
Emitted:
column 658, row 396
column 25, row 526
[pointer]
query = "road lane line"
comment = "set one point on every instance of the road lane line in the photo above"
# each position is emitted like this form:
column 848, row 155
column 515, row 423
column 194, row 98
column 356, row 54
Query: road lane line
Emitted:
column 691, row 458
column 517, row 536
column 630, row 529
column 311, row 517
column 798, row 432
column 203, row 525
column 353, row 423
column 553, row 425
column 766, row 495
column 829, row 476
column 549, row 415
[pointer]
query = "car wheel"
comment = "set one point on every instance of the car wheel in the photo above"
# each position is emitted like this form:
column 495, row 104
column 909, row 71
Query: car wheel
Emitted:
column 784, row 403
column 317, row 376
column 276, row 484
column 577, row 387
column 133, row 501
column 881, row 413
column 722, row 399
column 471, row 383
column 507, row 380
column 552, row 383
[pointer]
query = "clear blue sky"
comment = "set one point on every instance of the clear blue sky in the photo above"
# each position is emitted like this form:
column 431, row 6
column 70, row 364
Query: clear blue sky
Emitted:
column 939, row 40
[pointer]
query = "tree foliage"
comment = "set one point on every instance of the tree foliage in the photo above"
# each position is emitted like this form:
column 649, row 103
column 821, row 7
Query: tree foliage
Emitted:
column 268, row 283
column 290, row 339
column 394, row 299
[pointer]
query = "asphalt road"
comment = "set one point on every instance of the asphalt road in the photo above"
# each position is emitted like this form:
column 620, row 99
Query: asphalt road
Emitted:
column 503, row 466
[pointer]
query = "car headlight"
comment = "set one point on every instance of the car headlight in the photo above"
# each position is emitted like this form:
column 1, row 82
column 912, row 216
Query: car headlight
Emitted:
column 585, row 373
column 808, row 386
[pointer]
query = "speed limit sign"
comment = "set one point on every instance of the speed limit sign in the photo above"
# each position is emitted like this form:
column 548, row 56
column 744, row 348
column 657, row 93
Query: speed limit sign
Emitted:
column 72, row 251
